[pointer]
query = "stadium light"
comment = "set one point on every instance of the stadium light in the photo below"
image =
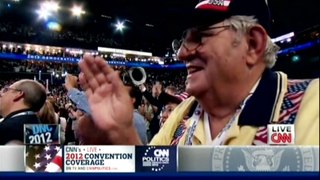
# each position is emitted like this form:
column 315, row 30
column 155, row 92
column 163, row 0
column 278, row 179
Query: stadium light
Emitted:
column 77, row 11
column 43, row 13
column 120, row 26
column 54, row 26
column 295, row 58
column 47, row 8
column 65, row 74
column 283, row 37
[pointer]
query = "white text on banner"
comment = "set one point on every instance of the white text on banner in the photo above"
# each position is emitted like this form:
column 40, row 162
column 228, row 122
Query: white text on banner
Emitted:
column 99, row 159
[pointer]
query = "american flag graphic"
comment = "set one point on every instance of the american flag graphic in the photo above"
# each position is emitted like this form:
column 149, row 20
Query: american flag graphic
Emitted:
column 291, row 102
column 43, row 158
column 289, row 109
column 179, row 132
column 183, row 96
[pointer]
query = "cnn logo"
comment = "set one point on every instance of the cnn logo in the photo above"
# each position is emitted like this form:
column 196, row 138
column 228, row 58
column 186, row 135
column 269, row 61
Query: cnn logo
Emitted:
column 281, row 134
column 161, row 152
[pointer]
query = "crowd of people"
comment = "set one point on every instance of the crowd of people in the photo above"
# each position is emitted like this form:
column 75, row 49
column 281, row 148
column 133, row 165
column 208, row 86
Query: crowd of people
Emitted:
column 174, row 77
column 27, row 66
column 64, row 106
column 75, row 53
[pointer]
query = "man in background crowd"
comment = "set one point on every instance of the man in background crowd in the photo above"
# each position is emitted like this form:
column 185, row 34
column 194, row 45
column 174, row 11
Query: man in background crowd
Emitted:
column 19, row 103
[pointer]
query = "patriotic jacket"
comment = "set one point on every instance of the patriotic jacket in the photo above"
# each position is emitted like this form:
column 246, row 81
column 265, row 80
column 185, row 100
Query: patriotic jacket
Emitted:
column 276, row 100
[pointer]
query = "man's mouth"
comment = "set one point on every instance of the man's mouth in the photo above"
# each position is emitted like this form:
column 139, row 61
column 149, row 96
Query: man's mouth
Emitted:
column 194, row 69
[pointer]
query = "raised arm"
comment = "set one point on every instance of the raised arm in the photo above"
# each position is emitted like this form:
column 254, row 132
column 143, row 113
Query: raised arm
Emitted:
column 109, row 101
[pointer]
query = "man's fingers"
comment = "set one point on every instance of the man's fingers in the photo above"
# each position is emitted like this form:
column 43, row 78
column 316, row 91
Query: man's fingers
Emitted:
column 95, row 70
column 86, row 67
column 103, row 66
column 118, row 87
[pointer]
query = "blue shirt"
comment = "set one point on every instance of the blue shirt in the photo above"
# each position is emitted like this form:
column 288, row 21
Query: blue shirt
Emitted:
column 140, row 125
column 80, row 99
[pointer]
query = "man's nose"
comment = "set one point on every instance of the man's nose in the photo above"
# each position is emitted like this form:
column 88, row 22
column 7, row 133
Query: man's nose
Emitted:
column 184, row 54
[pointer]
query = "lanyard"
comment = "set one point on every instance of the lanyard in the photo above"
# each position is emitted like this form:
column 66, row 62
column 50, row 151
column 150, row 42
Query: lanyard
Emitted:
column 23, row 113
column 220, row 139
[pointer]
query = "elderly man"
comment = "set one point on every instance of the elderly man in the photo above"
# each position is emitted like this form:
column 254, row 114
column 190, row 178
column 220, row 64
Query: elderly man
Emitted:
column 19, row 103
column 228, row 54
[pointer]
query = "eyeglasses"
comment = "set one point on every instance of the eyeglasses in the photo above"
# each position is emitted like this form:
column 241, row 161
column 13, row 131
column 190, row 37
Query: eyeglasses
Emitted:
column 6, row 89
column 192, row 38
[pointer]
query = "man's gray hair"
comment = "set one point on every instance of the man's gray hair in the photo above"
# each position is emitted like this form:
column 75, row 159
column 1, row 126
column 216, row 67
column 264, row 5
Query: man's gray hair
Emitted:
column 35, row 93
column 243, row 24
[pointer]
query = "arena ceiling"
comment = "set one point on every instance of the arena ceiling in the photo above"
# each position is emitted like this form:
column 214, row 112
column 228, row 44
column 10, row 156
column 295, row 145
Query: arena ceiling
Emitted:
column 150, row 23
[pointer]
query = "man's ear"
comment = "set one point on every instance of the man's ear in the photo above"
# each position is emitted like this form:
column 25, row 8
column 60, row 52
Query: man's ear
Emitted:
column 133, row 100
column 257, row 40
column 18, row 96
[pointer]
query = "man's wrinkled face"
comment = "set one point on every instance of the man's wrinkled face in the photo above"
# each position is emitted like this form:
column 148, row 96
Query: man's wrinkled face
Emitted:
column 211, row 57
